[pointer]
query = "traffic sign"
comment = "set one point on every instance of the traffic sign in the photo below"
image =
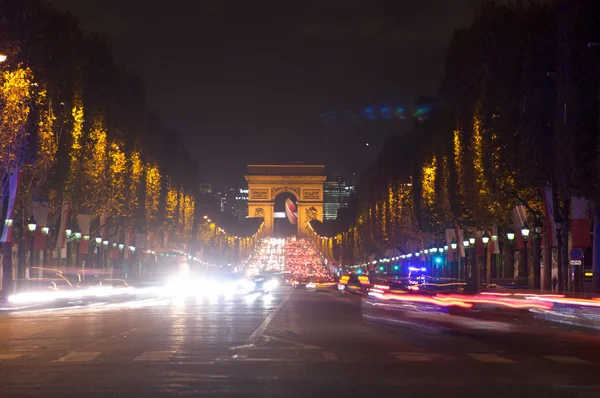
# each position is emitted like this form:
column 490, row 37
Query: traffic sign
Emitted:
column 576, row 254
column 575, row 262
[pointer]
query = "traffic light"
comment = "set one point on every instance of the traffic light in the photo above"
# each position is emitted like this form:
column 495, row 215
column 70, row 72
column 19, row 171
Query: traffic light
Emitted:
column 381, row 268
column 438, row 260
column 396, row 268
column 359, row 271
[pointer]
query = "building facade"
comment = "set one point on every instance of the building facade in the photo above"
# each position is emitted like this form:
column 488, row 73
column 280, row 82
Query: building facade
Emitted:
column 336, row 195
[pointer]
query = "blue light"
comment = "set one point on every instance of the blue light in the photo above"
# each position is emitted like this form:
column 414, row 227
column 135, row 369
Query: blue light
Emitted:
column 386, row 112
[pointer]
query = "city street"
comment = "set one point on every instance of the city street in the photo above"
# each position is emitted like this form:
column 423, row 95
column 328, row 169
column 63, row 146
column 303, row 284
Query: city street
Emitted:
column 291, row 343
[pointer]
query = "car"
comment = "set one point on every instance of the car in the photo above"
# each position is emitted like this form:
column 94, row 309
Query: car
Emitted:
column 354, row 284
column 321, row 285
column 301, row 283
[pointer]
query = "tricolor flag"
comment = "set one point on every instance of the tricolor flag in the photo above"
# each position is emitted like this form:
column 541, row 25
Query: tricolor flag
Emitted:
column 580, row 222
column 10, row 197
column 61, row 242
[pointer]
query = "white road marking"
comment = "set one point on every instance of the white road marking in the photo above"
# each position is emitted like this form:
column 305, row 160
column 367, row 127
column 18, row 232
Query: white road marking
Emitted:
column 79, row 356
column 4, row 357
column 567, row 359
column 412, row 357
column 491, row 358
column 257, row 334
column 155, row 356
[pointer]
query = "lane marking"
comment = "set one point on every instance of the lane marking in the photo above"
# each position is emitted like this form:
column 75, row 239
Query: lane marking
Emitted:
column 491, row 358
column 125, row 333
column 79, row 356
column 155, row 356
column 567, row 359
column 4, row 357
column 257, row 334
column 412, row 357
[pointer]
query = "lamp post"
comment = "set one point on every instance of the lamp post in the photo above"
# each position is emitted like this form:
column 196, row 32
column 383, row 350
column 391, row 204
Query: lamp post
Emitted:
column 31, row 227
column 77, row 255
column 105, row 254
column 454, row 245
column 466, row 268
column 493, row 257
column 132, row 256
column 69, row 261
column 98, row 241
column 510, row 235
column 121, row 257
column 45, row 231
column 485, row 239
column 525, row 268
column 474, row 265
column 536, row 247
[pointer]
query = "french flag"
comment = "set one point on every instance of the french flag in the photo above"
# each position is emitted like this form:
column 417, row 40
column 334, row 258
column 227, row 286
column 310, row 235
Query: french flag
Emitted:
column 9, row 204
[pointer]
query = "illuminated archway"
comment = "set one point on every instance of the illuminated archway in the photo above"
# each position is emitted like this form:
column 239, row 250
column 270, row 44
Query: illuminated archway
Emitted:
column 305, row 182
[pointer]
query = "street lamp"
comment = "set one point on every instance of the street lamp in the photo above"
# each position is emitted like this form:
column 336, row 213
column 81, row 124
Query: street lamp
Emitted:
column 45, row 231
column 68, row 232
column 455, row 264
column 98, row 240
column 466, row 265
column 485, row 239
column 31, row 226
column 77, row 254
column 525, row 233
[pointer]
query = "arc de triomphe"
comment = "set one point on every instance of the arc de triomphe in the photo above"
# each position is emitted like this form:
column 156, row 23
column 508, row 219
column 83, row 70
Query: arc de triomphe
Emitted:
column 304, row 181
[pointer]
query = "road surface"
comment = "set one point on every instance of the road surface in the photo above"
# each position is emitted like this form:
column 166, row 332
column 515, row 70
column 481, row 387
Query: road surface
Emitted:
column 288, row 344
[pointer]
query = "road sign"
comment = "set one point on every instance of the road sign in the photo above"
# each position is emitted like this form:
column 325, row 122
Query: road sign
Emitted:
column 575, row 262
column 576, row 254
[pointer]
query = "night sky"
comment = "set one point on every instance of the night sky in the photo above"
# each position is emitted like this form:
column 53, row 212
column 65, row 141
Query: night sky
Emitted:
column 249, row 81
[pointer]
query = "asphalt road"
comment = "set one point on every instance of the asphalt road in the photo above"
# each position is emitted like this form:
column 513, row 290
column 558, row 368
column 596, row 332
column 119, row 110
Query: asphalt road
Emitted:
column 291, row 343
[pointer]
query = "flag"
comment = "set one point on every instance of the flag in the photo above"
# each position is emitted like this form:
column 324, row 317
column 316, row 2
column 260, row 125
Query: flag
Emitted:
column 39, row 239
column 494, row 244
column 61, row 242
column 450, row 235
column 140, row 241
column 103, row 225
column 550, row 227
column 459, row 241
column 40, row 213
column 127, row 242
column 84, row 221
column 479, row 247
column 519, row 220
column 580, row 222
column 10, row 199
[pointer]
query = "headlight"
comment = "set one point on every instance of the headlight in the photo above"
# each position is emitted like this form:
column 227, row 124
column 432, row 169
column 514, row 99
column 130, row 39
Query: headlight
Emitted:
column 272, row 284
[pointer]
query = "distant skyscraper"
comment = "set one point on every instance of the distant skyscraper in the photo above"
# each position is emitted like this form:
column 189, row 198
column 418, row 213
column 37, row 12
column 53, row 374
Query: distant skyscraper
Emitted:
column 234, row 201
column 336, row 194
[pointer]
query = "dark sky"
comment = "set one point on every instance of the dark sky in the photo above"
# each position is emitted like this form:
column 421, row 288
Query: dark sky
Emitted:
column 247, row 81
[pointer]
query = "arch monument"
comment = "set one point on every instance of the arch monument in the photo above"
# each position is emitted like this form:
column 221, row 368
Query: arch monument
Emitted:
column 304, row 181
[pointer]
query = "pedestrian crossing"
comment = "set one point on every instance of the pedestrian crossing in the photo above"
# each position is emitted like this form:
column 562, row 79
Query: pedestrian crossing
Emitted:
column 287, row 355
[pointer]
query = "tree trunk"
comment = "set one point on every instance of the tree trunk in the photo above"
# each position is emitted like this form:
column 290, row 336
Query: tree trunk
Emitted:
column 7, row 270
